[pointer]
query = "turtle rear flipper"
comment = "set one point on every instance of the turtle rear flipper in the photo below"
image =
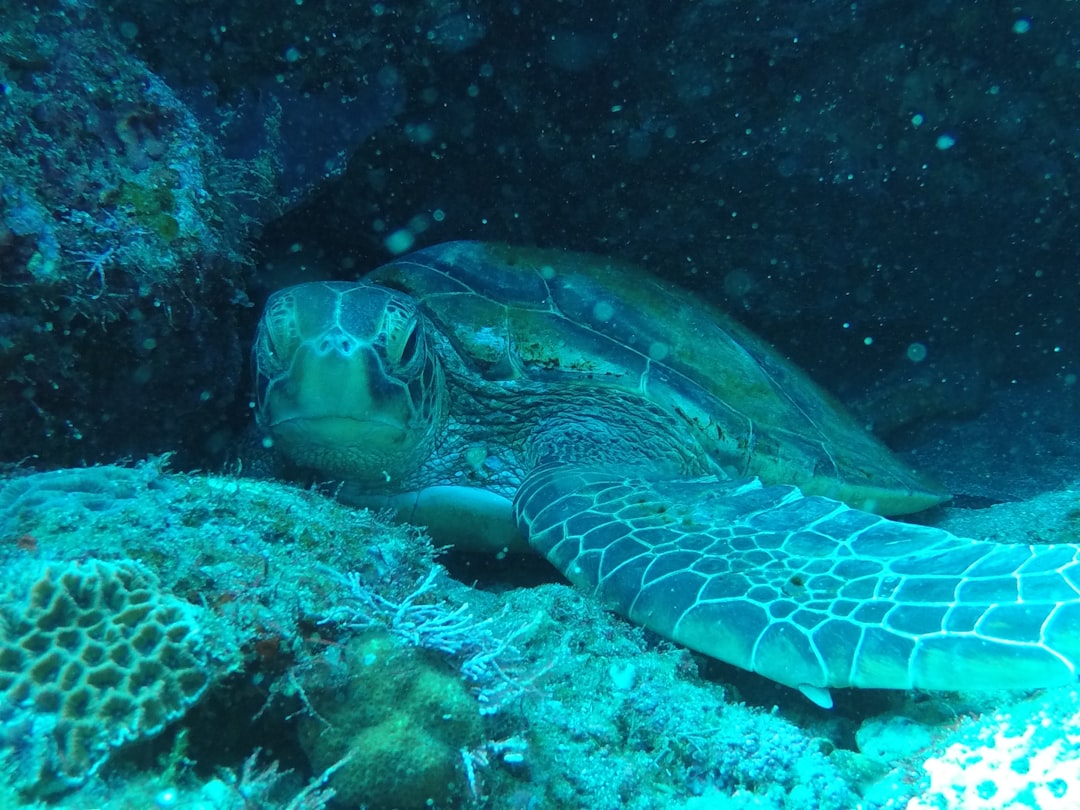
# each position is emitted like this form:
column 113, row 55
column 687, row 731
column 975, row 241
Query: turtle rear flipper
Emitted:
column 806, row 590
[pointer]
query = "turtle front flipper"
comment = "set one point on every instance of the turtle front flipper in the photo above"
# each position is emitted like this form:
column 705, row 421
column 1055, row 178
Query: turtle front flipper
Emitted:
column 805, row 590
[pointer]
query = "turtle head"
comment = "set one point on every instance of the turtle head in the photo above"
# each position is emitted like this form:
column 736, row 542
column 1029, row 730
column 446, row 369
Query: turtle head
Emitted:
column 348, row 381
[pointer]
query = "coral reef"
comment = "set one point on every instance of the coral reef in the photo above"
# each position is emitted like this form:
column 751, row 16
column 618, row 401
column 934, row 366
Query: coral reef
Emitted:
column 122, row 227
column 94, row 657
column 1021, row 756
column 359, row 666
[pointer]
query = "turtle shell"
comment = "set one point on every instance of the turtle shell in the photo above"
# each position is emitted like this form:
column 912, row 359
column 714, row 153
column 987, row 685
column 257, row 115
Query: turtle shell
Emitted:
column 563, row 318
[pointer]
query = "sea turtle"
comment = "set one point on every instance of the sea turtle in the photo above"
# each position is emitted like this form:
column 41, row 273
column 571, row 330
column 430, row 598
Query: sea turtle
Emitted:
column 660, row 456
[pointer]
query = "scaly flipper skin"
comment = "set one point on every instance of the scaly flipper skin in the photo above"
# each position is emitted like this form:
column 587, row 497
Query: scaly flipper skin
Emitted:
column 805, row 590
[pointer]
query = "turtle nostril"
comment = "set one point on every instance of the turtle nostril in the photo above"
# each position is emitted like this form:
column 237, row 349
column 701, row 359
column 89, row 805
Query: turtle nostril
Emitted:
column 336, row 344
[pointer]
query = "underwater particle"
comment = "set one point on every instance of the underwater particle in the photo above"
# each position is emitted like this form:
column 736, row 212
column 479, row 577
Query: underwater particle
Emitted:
column 388, row 76
column 399, row 241
column 917, row 120
column 292, row 54
column 738, row 283
column 638, row 144
column 916, row 352
column 603, row 311
column 788, row 166
column 575, row 51
column 658, row 350
column 623, row 675
column 456, row 32
column 419, row 224
column 420, row 133
column 945, row 141
column 1021, row 26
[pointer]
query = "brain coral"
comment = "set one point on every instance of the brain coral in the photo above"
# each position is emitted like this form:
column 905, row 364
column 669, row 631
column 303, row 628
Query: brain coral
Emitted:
column 94, row 657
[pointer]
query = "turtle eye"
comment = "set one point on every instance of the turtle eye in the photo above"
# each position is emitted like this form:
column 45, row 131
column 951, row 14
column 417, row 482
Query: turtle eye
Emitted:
column 408, row 351
column 408, row 343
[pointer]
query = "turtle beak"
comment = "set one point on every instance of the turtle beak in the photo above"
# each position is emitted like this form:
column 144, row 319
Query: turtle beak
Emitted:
column 347, row 398
column 337, row 400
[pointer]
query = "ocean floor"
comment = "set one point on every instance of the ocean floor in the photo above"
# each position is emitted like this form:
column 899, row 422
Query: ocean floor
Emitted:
column 175, row 640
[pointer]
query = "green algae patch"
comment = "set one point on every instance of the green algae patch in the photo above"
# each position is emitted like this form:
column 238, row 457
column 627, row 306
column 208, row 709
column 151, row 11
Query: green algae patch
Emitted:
column 403, row 715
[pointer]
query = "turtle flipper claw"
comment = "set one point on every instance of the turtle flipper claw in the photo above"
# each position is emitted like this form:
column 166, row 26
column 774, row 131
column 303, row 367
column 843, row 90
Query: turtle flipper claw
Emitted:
column 806, row 590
